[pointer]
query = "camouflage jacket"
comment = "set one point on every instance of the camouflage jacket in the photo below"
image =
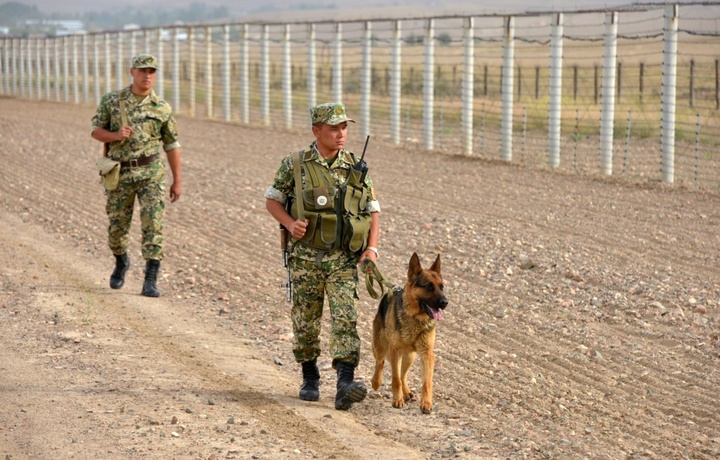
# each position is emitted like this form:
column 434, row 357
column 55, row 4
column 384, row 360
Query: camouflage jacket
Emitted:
column 283, row 188
column 152, row 121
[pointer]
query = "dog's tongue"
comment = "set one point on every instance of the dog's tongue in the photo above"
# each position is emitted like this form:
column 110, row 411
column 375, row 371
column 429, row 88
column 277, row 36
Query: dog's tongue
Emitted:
column 437, row 314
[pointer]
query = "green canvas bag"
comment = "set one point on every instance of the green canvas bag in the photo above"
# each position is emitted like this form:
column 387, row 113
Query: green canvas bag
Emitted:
column 109, row 172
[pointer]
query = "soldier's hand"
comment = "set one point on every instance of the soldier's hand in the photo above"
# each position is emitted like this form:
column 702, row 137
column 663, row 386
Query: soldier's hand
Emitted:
column 175, row 191
column 125, row 132
column 367, row 255
column 298, row 229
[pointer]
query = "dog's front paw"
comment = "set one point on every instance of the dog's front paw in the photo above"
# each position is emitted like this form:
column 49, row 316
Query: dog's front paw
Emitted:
column 426, row 407
column 410, row 396
column 398, row 403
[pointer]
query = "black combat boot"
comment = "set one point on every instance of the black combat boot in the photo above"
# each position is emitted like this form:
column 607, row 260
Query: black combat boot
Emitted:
column 122, row 263
column 348, row 392
column 150, row 286
column 310, row 389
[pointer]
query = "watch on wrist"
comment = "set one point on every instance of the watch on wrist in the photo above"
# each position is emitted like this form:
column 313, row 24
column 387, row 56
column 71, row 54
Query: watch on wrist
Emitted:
column 375, row 250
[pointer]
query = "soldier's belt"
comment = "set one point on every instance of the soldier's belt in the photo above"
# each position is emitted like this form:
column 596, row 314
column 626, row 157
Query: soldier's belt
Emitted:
column 142, row 161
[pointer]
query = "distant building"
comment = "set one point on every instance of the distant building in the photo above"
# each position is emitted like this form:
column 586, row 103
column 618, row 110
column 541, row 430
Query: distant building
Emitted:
column 60, row 26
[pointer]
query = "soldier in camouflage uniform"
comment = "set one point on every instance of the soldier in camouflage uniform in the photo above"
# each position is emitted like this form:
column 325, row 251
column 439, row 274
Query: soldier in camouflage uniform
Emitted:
column 317, row 272
column 134, row 123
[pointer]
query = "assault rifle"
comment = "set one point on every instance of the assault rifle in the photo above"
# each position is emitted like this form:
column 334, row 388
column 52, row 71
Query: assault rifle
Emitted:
column 361, row 166
column 284, row 237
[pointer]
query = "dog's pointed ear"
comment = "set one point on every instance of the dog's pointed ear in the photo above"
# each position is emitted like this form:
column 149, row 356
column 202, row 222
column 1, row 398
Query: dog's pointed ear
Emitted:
column 436, row 265
column 414, row 268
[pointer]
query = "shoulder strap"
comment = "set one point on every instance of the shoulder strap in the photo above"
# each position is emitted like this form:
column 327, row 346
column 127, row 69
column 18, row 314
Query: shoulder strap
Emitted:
column 298, row 186
column 123, row 113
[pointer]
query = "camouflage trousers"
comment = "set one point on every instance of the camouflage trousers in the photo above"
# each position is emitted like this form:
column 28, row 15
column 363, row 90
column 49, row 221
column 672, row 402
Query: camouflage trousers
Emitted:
column 150, row 193
column 337, row 279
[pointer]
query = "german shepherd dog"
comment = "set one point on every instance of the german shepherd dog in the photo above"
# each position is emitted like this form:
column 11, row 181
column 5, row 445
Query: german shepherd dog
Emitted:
column 404, row 327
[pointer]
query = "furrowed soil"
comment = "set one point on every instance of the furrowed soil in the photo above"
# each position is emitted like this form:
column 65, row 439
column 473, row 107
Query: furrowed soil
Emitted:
column 583, row 315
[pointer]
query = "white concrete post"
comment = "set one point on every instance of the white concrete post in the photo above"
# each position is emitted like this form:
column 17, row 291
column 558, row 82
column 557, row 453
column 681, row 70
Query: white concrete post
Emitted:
column 56, row 52
column 39, row 67
column 191, row 63
column 66, row 68
column 176, row 70
column 287, row 77
column 508, row 89
column 226, row 73
column 468, row 86
column 337, row 92
column 29, row 75
column 108, row 64
column 366, row 80
column 121, row 66
column 555, row 103
column 669, row 82
column 47, row 44
column 160, row 78
column 395, row 83
column 429, row 86
column 244, row 76
column 311, row 70
column 607, row 116
column 265, row 75
column 75, row 72
column 208, row 72
column 96, row 68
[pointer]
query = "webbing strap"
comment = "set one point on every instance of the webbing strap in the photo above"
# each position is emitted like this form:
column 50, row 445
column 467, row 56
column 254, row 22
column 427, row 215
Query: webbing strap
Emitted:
column 376, row 276
column 298, row 187
column 123, row 113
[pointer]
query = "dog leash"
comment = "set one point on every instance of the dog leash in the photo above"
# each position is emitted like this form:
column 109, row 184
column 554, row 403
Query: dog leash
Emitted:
column 376, row 276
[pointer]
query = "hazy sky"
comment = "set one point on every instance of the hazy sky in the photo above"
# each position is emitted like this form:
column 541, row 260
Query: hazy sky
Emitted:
column 252, row 6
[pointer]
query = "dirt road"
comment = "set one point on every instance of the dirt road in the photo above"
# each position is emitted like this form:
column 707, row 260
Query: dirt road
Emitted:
column 583, row 317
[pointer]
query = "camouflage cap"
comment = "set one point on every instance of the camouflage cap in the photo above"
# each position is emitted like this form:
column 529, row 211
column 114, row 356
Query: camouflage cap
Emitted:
column 143, row 61
column 330, row 113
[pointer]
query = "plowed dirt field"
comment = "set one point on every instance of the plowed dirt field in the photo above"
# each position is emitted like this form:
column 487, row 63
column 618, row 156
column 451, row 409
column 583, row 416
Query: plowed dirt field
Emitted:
column 583, row 316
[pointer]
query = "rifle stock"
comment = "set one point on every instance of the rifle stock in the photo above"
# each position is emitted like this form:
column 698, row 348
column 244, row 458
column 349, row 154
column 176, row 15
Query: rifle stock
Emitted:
column 284, row 237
